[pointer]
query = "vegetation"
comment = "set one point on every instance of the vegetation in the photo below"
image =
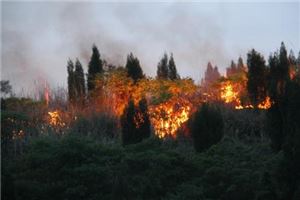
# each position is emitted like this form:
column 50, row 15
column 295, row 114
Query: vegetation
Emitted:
column 206, row 127
column 163, row 138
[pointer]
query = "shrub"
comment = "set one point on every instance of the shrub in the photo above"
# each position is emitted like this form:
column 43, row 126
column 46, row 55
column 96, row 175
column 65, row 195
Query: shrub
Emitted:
column 206, row 127
column 97, row 126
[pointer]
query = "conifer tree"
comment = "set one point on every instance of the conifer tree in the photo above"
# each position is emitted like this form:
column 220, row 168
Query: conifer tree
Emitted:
column 162, row 68
column 79, row 82
column 95, row 68
column 173, row 75
column 71, row 82
column 256, row 84
column 145, row 126
column 133, row 68
column 206, row 127
column 129, row 130
column 135, row 123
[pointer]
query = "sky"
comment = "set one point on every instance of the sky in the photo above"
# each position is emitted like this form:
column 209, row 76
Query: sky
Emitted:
column 38, row 37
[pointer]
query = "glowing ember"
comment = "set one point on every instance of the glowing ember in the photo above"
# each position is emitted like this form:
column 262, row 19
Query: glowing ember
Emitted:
column 55, row 119
column 167, row 117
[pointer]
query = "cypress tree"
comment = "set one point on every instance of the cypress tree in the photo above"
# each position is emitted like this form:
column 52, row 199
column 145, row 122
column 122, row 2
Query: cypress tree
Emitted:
column 145, row 127
column 79, row 82
column 95, row 67
column 135, row 123
column 162, row 68
column 206, row 127
column 129, row 130
column 133, row 68
column 71, row 82
column 172, row 69
column 256, row 84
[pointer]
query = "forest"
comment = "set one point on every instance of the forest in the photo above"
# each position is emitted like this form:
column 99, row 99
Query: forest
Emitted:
column 116, row 133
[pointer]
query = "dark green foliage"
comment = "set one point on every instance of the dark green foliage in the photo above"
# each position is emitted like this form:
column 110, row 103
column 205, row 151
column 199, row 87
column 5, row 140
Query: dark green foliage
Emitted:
column 79, row 168
column 133, row 68
column 71, row 82
column 173, row 75
column 79, row 82
column 206, row 127
column 162, row 68
column 129, row 130
column 95, row 68
column 257, row 73
column 97, row 126
column 145, row 127
column 135, row 123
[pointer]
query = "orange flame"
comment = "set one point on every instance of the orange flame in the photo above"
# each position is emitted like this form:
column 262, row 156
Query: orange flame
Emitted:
column 55, row 119
column 167, row 117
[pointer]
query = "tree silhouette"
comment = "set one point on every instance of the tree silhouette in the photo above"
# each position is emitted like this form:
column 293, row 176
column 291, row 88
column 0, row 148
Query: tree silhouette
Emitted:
column 133, row 68
column 95, row 68
column 79, row 82
column 206, row 127
column 172, row 69
column 162, row 68
column 257, row 73
column 71, row 82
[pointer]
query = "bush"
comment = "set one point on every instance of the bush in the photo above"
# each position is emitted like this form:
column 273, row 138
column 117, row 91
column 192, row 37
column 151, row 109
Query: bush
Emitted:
column 97, row 126
column 206, row 127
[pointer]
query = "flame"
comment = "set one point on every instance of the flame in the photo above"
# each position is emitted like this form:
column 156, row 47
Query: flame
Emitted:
column 167, row 117
column 228, row 94
column 266, row 104
column 55, row 119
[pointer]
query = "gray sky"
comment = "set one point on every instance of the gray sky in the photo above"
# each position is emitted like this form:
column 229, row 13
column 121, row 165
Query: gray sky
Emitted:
column 39, row 37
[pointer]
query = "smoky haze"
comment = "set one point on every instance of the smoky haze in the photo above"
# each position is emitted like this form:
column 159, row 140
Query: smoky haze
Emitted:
column 39, row 38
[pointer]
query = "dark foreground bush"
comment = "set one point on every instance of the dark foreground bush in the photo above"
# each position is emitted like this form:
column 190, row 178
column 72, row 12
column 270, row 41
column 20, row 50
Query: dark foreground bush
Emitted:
column 79, row 168
column 206, row 127
column 96, row 126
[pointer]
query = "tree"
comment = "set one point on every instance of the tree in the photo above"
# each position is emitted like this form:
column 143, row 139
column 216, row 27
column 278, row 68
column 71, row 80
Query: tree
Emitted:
column 129, row 130
column 145, row 126
column 71, row 82
column 172, row 69
column 206, row 127
column 135, row 123
column 162, row 68
column 5, row 88
column 79, row 82
column 95, row 68
column 240, row 65
column 257, row 72
column 133, row 68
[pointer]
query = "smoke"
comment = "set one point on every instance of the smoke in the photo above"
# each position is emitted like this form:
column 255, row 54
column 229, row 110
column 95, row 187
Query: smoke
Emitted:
column 39, row 38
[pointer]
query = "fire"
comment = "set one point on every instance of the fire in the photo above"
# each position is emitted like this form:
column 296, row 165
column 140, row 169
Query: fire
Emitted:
column 167, row 117
column 227, row 93
column 55, row 119
column 266, row 104
column 231, row 92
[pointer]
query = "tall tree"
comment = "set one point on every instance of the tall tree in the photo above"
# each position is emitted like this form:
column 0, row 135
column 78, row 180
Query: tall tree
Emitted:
column 129, row 130
column 206, row 127
column 95, row 67
column 79, row 82
column 172, row 69
column 135, row 123
column 162, row 68
column 133, row 68
column 145, row 126
column 240, row 65
column 256, row 84
column 71, row 81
